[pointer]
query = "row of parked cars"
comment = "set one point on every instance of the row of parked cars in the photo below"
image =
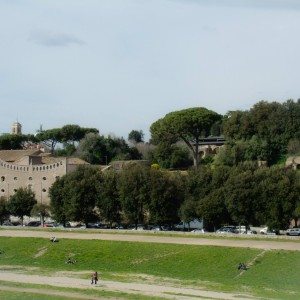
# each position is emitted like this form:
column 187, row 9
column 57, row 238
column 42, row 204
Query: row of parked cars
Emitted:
column 265, row 230
column 229, row 229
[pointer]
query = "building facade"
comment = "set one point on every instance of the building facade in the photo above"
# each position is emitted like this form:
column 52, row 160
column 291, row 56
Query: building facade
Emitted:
column 33, row 169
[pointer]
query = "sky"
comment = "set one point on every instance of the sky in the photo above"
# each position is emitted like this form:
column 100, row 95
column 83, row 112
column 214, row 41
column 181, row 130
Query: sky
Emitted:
column 120, row 65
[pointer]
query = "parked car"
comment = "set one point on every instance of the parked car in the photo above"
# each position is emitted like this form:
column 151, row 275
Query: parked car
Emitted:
column 268, row 231
column 49, row 224
column 199, row 231
column 34, row 224
column 293, row 231
column 194, row 224
column 227, row 229
column 7, row 223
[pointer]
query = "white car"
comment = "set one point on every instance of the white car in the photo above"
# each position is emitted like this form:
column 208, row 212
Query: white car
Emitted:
column 267, row 231
column 198, row 231
column 293, row 231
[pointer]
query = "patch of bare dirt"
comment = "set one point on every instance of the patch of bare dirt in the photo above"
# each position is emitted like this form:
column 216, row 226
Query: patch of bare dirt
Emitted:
column 158, row 290
column 41, row 252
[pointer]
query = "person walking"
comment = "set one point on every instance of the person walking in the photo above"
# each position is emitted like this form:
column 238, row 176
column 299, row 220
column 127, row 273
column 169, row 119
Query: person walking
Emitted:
column 94, row 278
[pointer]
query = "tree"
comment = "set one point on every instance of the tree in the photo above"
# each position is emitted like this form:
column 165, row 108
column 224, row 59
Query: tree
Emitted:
column 97, row 149
column 188, row 125
column 279, row 194
column 74, row 195
column 4, row 213
column 74, row 133
column 92, row 148
column 240, row 194
column 136, row 136
column 14, row 141
column 50, row 137
column 21, row 203
column 108, row 201
column 165, row 198
column 41, row 210
column 57, row 196
column 134, row 192
column 171, row 156
column 213, row 210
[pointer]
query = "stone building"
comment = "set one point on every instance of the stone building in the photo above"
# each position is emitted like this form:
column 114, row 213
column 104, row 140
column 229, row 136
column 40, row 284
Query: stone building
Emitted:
column 34, row 169
column 16, row 128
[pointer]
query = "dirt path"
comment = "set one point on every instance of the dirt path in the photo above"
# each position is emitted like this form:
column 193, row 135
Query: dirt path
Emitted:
column 246, row 243
column 50, row 292
column 164, row 291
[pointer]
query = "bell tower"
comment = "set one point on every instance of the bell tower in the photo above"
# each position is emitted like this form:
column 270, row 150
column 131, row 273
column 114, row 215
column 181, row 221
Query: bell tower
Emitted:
column 16, row 128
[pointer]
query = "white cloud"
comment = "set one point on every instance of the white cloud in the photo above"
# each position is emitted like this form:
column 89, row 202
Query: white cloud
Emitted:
column 54, row 39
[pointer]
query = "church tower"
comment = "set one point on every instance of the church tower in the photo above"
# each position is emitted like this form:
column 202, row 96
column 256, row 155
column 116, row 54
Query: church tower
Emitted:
column 16, row 128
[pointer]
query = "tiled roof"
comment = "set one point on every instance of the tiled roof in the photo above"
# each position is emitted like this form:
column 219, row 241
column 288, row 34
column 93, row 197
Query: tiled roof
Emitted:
column 14, row 155
column 76, row 161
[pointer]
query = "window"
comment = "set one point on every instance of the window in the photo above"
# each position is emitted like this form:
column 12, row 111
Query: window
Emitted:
column 30, row 178
column 2, row 178
column 15, row 178
column 2, row 190
column 44, row 178
column 44, row 190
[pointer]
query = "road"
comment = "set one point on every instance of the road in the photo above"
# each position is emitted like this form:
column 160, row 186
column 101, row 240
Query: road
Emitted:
column 201, row 241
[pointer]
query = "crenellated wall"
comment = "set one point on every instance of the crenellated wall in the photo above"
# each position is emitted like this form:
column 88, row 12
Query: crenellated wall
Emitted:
column 39, row 177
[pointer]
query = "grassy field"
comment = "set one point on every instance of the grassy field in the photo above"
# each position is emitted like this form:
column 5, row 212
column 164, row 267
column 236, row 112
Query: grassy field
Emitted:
column 17, row 291
column 275, row 274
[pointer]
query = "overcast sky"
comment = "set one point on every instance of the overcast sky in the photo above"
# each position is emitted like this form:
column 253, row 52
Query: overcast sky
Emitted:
column 119, row 65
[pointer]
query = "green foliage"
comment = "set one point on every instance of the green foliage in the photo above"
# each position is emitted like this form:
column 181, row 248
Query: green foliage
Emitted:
column 73, row 197
column 14, row 141
column 21, row 203
column 279, row 194
column 187, row 125
column 275, row 126
column 136, row 136
column 211, row 267
column 92, row 149
column 134, row 192
column 67, row 150
column 165, row 198
column 41, row 210
column 58, row 206
column 108, row 201
column 67, row 134
column 4, row 213
column 97, row 149
column 50, row 137
column 170, row 156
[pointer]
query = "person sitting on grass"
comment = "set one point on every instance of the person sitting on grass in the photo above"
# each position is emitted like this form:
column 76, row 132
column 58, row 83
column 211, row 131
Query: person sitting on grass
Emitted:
column 242, row 266
column 70, row 261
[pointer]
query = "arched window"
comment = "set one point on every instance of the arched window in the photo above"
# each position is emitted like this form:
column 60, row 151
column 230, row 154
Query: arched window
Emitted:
column 2, row 178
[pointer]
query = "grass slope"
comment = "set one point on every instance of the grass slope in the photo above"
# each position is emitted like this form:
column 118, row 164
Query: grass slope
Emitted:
column 275, row 274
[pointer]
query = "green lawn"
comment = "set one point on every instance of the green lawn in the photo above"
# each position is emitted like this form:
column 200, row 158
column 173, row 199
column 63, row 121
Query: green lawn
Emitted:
column 17, row 291
column 276, row 274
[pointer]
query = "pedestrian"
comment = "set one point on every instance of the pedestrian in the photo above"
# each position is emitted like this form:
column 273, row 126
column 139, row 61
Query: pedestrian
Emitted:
column 94, row 278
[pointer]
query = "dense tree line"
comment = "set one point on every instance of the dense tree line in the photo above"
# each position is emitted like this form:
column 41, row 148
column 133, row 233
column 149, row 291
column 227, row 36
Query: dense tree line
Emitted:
column 244, row 194
column 268, row 131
